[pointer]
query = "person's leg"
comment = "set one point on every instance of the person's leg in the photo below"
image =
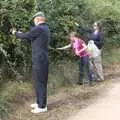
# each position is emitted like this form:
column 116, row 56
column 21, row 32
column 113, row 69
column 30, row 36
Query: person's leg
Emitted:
column 88, row 69
column 99, row 68
column 40, row 77
column 92, row 68
column 34, row 72
column 81, row 71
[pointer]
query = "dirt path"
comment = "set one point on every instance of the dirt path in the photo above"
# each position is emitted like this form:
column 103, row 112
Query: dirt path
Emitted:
column 70, row 101
column 106, row 108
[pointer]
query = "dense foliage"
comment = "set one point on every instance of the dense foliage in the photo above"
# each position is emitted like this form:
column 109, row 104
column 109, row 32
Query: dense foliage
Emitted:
column 13, row 53
column 61, row 16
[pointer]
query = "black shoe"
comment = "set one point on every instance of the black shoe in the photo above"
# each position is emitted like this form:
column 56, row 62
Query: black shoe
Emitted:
column 79, row 83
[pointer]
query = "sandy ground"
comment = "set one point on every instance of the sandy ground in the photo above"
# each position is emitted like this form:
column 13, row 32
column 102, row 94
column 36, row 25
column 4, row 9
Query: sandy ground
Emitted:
column 106, row 108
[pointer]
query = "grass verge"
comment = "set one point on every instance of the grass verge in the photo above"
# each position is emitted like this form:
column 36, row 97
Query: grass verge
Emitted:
column 62, row 74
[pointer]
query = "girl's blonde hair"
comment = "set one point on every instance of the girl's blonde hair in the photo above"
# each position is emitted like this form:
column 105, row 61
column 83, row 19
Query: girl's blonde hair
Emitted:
column 75, row 34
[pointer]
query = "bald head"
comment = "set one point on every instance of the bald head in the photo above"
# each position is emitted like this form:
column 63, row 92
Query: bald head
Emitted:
column 39, row 20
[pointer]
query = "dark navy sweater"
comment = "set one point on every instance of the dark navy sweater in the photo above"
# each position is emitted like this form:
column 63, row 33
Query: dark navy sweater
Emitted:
column 39, row 37
column 97, row 38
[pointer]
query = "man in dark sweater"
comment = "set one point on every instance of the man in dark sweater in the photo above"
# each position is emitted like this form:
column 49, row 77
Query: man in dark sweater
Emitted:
column 39, row 38
column 97, row 37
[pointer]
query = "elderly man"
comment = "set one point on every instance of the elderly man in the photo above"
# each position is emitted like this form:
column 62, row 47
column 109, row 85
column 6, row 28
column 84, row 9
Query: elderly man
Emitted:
column 39, row 38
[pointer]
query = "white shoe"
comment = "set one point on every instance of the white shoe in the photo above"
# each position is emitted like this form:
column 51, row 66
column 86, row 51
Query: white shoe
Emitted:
column 39, row 110
column 35, row 105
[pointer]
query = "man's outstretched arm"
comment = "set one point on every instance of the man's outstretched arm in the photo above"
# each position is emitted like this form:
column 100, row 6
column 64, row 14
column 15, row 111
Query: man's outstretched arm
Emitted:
column 28, row 36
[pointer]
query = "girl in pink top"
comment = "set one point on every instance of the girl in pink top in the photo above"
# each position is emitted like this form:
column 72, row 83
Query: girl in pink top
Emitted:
column 80, row 49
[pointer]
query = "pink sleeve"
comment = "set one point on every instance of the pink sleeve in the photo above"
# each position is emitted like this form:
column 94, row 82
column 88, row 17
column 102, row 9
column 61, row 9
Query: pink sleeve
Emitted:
column 76, row 46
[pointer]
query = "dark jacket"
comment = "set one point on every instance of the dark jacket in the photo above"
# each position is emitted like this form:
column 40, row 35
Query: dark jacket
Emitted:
column 39, row 37
column 97, row 38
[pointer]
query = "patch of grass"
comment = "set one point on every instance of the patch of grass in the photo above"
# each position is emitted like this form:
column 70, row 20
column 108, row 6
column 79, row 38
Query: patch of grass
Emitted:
column 111, row 56
column 7, row 93
column 61, row 74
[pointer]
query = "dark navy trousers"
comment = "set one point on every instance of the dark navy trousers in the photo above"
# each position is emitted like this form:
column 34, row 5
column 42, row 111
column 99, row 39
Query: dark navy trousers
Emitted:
column 84, row 65
column 40, row 77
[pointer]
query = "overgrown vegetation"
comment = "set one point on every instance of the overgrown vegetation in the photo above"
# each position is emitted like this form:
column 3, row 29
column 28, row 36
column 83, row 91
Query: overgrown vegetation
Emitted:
column 61, row 16
column 14, row 13
column 15, row 55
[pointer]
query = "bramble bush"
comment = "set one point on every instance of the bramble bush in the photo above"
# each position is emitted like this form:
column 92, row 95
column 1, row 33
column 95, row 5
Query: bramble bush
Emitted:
column 14, row 54
column 15, row 57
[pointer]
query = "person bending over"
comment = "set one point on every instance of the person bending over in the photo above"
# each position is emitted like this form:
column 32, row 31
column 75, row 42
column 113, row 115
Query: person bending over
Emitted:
column 80, row 49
